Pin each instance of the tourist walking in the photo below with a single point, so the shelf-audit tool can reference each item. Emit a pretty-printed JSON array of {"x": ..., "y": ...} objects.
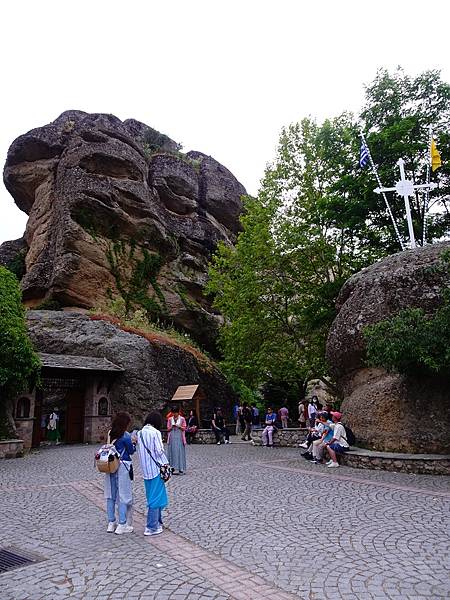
[
  {"x": 176, "y": 441},
  {"x": 284, "y": 416},
  {"x": 236, "y": 415},
  {"x": 312, "y": 412},
  {"x": 118, "y": 485},
  {"x": 151, "y": 456},
  {"x": 270, "y": 429},
  {"x": 301, "y": 414},
  {"x": 247, "y": 416},
  {"x": 241, "y": 420},
  {"x": 53, "y": 434},
  {"x": 255, "y": 417},
  {"x": 192, "y": 427}
]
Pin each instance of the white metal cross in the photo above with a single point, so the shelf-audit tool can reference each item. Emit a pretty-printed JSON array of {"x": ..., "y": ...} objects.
[{"x": 405, "y": 187}]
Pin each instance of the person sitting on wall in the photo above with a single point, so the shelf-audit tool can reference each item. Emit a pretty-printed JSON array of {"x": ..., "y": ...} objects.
[
  {"x": 270, "y": 429},
  {"x": 314, "y": 433},
  {"x": 218, "y": 426},
  {"x": 327, "y": 434},
  {"x": 192, "y": 427},
  {"x": 338, "y": 443}
]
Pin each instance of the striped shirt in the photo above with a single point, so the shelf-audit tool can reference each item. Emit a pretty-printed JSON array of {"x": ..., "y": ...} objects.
[{"x": 153, "y": 440}]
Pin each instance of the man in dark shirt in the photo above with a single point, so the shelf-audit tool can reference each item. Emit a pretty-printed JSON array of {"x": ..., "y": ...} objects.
[
  {"x": 219, "y": 428},
  {"x": 248, "y": 416}
]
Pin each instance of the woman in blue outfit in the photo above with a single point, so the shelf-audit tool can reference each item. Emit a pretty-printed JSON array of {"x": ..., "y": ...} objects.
[
  {"x": 151, "y": 454},
  {"x": 118, "y": 486}
]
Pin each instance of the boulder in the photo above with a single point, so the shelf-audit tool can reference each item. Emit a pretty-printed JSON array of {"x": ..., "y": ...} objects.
[
  {"x": 115, "y": 209},
  {"x": 153, "y": 368},
  {"x": 389, "y": 411}
]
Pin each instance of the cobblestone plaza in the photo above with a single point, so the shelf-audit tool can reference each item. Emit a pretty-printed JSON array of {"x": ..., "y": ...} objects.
[{"x": 245, "y": 522}]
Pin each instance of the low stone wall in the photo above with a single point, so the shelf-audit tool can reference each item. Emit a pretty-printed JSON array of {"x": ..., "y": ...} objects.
[
  {"x": 11, "y": 448},
  {"x": 431, "y": 464},
  {"x": 290, "y": 437},
  {"x": 203, "y": 436}
]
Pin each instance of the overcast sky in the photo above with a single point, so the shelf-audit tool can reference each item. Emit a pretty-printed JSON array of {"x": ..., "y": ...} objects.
[{"x": 219, "y": 76}]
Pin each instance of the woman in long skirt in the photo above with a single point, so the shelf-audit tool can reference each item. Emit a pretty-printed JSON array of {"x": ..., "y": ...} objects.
[
  {"x": 151, "y": 455},
  {"x": 176, "y": 441}
]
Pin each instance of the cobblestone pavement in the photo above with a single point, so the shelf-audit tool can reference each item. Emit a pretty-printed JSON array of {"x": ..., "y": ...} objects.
[{"x": 245, "y": 522}]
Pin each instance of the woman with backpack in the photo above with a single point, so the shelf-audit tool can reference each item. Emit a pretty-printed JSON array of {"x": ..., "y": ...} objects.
[{"x": 118, "y": 486}]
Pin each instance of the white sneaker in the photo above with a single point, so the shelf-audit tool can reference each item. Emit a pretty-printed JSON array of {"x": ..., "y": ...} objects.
[
  {"x": 150, "y": 532},
  {"x": 111, "y": 527},
  {"x": 333, "y": 465},
  {"x": 218, "y": 443},
  {"x": 304, "y": 445},
  {"x": 123, "y": 529},
  {"x": 329, "y": 462}
]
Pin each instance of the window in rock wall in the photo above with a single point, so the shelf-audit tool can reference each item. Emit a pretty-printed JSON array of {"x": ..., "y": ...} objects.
[
  {"x": 103, "y": 407},
  {"x": 23, "y": 408}
]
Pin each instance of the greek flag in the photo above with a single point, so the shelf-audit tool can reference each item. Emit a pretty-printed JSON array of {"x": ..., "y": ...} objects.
[{"x": 363, "y": 155}]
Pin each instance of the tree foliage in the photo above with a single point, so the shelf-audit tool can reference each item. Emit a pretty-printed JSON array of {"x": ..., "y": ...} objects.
[
  {"x": 19, "y": 363},
  {"x": 397, "y": 114},
  {"x": 278, "y": 286},
  {"x": 316, "y": 221}
]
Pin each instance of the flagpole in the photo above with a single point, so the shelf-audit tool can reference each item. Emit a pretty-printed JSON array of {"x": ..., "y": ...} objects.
[
  {"x": 426, "y": 199},
  {"x": 380, "y": 185}
]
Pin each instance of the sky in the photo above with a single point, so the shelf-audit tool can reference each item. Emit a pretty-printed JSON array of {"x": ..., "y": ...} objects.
[{"x": 222, "y": 77}]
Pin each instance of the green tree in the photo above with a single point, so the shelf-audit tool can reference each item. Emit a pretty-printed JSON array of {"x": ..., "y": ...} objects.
[
  {"x": 315, "y": 222},
  {"x": 277, "y": 288},
  {"x": 396, "y": 117},
  {"x": 19, "y": 363}
]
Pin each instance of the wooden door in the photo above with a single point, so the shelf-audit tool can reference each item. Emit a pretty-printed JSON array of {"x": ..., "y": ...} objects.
[
  {"x": 36, "y": 438},
  {"x": 74, "y": 416}
]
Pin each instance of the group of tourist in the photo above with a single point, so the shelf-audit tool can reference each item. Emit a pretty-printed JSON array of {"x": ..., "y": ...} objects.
[
  {"x": 149, "y": 445},
  {"x": 326, "y": 436}
]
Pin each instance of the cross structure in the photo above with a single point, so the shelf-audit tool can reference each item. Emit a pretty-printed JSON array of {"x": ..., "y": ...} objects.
[{"x": 405, "y": 187}]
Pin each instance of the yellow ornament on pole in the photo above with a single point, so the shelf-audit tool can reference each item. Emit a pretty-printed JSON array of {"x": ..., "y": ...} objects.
[{"x": 435, "y": 157}]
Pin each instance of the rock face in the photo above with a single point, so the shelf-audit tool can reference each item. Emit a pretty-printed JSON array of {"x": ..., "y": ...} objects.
[
  {"x": 153, "y": 371},
  {"x": 388, "y": 411},
  {"x": 115, "y": 210}
]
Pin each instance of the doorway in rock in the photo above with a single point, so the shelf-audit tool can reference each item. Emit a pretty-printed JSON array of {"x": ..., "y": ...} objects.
[
  {"x": 39, "y": 425},
  {"x": 65, "y": 395}
]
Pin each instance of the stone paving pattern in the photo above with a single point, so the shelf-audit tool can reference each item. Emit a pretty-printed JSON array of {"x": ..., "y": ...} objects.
[{"x": 245, "y": 522}]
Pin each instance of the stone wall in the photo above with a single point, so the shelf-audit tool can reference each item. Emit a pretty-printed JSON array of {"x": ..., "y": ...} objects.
[
  {"x": 404, "y": 463},
  {"x": 290, "y": 437},
  {"x": 11, "y": 448},
  {"x": 203, "y": 436}
]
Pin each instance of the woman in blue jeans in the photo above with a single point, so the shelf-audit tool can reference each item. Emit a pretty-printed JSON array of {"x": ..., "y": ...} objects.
[
  {"x": 118, "y": 486},
  {"x": 151, "y": 455}
]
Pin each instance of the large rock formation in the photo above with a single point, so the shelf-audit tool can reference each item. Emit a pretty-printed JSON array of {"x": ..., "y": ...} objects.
[
  {"x": 153, "y": 370},
  {"x": 116, "y": 210},
  {"x": 388, "y": 411}
]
